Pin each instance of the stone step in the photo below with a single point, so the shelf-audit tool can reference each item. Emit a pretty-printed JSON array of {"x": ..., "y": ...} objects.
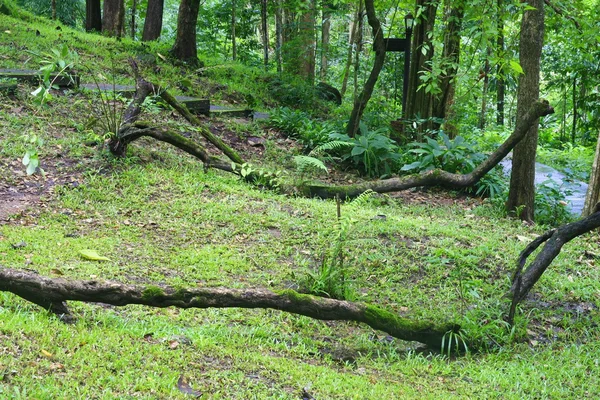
[{"x": 63, "y": 80}]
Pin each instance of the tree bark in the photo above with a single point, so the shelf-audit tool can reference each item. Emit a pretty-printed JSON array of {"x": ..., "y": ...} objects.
[
  {"x": 325, "y": 30},
  {"x": 93, "y": 16},
  {"x": 233, "y": 38},
  {"x": 484, "y": 91},
  {"x": 52, "y": 294},
  {"x": 184, "y": 48},
  {"x": 279, "y": 35},
  {"x": 153, "y": 22},
  {"x": 592, "y": 196},
  {"x": 307, "y": 43},
  {"x": 501, "y": 84},
  {"x": 113, "y": 21},
  {"x": 351, "y": 46},
  {"x": 361, "y": 102},
  {"x": 443, "y": 104},
  {"x": 521, "y": 193},
  {"x": 132, "y": 22},
  {"x": 418, "y": 102},
  {"x": 555, "y": 239},
  {"x": 264, "y": 31}
]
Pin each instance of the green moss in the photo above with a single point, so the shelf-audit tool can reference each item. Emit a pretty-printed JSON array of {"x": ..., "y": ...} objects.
[
  {"x": 378, "y": 317},
  {"x": 152, "y": 292}
]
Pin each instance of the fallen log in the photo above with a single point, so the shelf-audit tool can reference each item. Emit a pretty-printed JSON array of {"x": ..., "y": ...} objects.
[
  {"x": 53, "y": 293},
  {"x": 555, "y": 239}
]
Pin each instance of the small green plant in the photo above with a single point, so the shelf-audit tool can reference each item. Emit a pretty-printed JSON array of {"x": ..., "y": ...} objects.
[
  {"x": 30, "y": 159},
  {"x": 258, "y": 176},
  {"x": 372, "y": 152},
  {"x": 57, "y": 62},
  {"x": 454, "y": 342},
  {"x": 300, "y": 125},
  {"x": 330, "y": 279}
]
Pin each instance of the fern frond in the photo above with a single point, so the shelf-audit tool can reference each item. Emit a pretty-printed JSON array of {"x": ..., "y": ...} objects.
[
  {"x": 306, "y": 162},
  {"x": 362, "y": 198},
  {"x": 325, "y": 147}
]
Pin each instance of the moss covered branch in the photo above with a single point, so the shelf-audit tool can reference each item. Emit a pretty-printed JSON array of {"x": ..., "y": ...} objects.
[{"x": 53, "y": 293}]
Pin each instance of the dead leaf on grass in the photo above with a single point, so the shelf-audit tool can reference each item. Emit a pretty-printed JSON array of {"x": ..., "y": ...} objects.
[{"x": 185, "y": 388}]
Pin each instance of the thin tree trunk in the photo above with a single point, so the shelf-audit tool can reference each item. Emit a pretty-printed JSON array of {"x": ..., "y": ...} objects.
[
  {"x": 521, "y": 193},
  {"x": 418, "y": 102},
  {"x": 501, "y": 84},
  {"x": 278, "y": 34},
  {"x": 484, "y": 91},
  {"x": 358, "y": 48},
  {"x": 325, "y": 30},
  {"x": 233, "y": 41},
  {"x": 265, "y": 32},
  {"x": 93, "y": 16},
  {"x": 361, "y": 102},
  {"x": 132, "y": 23},
  {"x": 574, "y": 127},
  {"x": 351, "y": 46},
  {"x": 592, "y": 196},
  {"x": 53, "y": 7},
  {"x": 153, "y": 22},
  {"x": 307, "y": 43}
]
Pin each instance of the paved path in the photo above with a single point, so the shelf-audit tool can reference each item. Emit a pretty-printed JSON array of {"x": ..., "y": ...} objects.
[{"x": 544, "y": 172}]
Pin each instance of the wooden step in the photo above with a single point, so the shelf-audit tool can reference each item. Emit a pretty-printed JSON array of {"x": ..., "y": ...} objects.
[{"x": 29, "y": 75}]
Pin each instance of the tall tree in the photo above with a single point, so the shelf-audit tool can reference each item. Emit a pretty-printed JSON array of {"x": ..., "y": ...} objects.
[
  {"x": 93, "y": 16},
  {"x": 592, "y": 196},
  {"x": 264, "y": 31},
  {"x": 279, "y": 34},
  {"x": 521, "y": 193},
  {"x": 153, "y": 22},
  {"x": 113, "y": 21},
  {"x": 500, "y": 83},
  {"x": 360, "y": 103},
  {"x": 353, "y": 33},
  {"x": 184, "y": 47},
  {"x": 325, "y": 37},
  {"x": 419, "y": 101},
  {"x": 443, "y": 106}
]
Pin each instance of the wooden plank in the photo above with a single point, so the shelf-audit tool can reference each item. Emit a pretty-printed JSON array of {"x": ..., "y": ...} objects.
[{"x": 33, "y": 76}]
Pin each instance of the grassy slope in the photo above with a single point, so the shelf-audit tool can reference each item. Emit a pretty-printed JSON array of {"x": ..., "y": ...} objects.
[{"x": 160, "y": 218}]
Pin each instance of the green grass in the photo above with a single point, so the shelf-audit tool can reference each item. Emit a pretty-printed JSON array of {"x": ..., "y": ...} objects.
[{"x": 161, "y": 219}]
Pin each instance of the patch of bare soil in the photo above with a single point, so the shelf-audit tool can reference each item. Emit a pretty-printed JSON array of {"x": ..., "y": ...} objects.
[{"x": 20, "y": 192}]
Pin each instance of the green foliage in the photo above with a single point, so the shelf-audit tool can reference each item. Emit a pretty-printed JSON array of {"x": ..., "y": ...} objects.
[
  {"x": 308, "y": 163},
  {"x": 574, "y": 161},
  {"x": 372, "y": 152},
  {"x": 31, "y": 160},
  {"x": 454, "y": 342},
  {"x": 260, "y": 177},
  {"x": 299, "y": 125},
  {"x": 57, "y": 62},
  {"x": 455, "y": 156},
  {"x": 551, "y": 205},
  {"x": 69, "y": 12}
]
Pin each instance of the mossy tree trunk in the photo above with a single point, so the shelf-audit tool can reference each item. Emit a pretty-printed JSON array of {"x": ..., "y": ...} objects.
[{"x": 53, "y": 293}]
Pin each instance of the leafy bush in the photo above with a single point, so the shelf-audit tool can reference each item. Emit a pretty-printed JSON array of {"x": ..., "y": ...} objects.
[
  {"x": 372, "y": 152},
  {"x": 299, "y": 125},
  {"x": 456, "y": 156}
]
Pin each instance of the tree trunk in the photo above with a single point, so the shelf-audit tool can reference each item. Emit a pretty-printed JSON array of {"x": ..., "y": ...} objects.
[
  {"x": 325, "y": 30},
  {"x": 592, "y": 196},
  {"x": 419, "y": 102},
  {"x": 113, "y": 21},
  {"x": 555, "y": 239},
  {"x": 351, "y": 46},
  {"x": 443, "y": 105},
  {"x": 484, "y": 91},
  {"x": 265, "y": 32},
  {"x": 153, "y": 22},
  {"x": 52, "y": 294},
  {"x": 93, "y": 16},
  {"x": 574, "y": 127},
  {"x": 184, "y": 48},
  {"x": 279, "y": 34},
  {"x": 307, "y": 44},
  {"x": 233, "y": 41},
  {"x": 361, "y": 102},
  {"x": 53, "y": 7},
  {"x": 358, "y": 48},
  {"x": 132, "y": 23},
  {"x": 521, "y": 193},
  {"x": 501, "y": 84}
]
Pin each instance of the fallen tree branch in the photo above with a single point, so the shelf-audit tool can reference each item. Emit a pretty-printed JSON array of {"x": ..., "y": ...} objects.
[
  {"x": 555, "y": 239},
  {"x": 437, "y": 177},
  {"x": 52, "y": 294}
]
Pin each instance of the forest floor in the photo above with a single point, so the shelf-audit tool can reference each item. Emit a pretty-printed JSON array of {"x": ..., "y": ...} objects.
[{"x": 161, "y": 219}]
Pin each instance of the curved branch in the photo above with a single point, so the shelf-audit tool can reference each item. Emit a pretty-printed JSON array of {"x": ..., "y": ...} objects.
[
  {"x": 437, "y": 177},
  {"x": 52, "y": 294}
]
